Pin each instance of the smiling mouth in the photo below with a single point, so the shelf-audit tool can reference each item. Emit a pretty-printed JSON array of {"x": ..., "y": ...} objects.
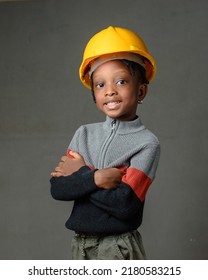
[{"x": 112, "y": 104}]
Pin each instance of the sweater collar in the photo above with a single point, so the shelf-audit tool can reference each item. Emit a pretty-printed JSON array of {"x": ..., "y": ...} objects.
[{"x": 124, "y": 127}]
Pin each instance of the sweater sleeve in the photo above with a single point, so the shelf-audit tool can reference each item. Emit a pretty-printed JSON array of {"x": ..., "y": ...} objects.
[
  {"x": 120, "y": 202},
  {"x": 74, "y": 186},
  {"x": 125, "y": 200}
]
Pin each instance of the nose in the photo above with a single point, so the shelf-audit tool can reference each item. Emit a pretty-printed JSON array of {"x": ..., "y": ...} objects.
[{"x": 110, "y": 91}]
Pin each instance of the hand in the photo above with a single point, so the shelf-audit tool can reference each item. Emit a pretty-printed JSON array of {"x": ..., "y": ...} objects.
[
  {"x": 108, "y": 178},
  {"x": 68, "y": 165}
]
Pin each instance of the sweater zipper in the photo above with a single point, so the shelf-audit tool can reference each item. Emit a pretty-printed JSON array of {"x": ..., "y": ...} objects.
[
  {"x": 106, "y": 145},
  {"x": 113, "y": 124}
]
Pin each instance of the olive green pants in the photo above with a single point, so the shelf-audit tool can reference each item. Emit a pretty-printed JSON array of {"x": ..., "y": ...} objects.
[{"x": 126, "y": 246}]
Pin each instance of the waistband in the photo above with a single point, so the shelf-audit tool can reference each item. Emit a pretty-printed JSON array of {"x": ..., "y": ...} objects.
[
  {"x": 92, "y": 234},
  {"x": 99, "y": 235}
]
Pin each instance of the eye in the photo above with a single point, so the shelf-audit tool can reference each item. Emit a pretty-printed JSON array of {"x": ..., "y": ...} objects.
[
  {"x": 121, "y": 82},
  {"x": 99, "y": 85}
]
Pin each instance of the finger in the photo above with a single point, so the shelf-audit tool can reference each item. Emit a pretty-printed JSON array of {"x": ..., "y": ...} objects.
[
  {"x": 58, "y": 169},
  {"x": 56, "y": 174},
  {"x": 53, "y": 174},
  {"x": 69, "y": 154},
  {"x": 75, "y": 154},
  {"x": 64, "y": 158},
  {"x": 60, "y": 164}
]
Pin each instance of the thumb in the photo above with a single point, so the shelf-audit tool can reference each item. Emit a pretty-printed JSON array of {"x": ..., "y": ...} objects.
[{"x": 75, "y": 155}]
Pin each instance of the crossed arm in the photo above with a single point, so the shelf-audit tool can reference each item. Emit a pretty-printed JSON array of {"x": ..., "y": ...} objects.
[
  {"x": 106, "y": 178},
  {"x": 117, "y": 198}
]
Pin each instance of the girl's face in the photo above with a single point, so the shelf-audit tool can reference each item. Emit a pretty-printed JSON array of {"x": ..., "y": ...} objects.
[{"x": 117, "y": 91}]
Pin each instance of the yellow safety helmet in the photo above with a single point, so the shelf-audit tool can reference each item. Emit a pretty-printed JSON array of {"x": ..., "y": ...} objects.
[{"x": 114, "y": 41}]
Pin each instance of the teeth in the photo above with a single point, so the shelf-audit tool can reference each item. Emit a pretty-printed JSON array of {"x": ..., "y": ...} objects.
[{"x": 112, "y": 102}]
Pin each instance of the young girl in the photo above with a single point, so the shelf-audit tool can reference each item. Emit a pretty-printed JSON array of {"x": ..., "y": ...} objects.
[{"x": 110, "y": 165}]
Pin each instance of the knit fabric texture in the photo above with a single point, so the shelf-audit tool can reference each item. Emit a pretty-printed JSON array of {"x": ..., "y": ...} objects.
[{"x": 113, "y": 143}]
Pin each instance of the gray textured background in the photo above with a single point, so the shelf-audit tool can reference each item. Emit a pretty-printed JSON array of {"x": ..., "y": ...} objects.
[{"x": 42, "y": 103}]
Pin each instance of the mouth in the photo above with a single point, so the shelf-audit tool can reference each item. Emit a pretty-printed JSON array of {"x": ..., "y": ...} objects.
[{"x": 112, "y": 104}]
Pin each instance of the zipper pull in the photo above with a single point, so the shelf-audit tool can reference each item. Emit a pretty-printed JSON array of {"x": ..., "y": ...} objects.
[{"x": 113, "y": 124}]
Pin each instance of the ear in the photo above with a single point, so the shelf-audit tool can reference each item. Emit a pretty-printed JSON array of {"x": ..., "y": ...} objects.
[{"x": 142, "y": 91}]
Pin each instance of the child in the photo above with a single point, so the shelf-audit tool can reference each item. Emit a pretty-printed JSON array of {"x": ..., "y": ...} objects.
[{"x": 110, "y": 165}]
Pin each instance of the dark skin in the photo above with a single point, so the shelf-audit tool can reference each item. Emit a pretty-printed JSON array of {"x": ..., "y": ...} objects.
[
  {"x": 106, "y": 178},
  {"x": 117, "y": 93}
]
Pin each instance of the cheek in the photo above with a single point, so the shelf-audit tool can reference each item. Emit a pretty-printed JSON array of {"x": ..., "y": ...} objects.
[
  {"x": 98, "y": 100},
  {"x": 132, "y": 96}
]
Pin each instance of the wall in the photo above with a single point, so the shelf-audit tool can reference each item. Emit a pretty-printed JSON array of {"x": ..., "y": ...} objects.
[{"x": 42, "y": 103}]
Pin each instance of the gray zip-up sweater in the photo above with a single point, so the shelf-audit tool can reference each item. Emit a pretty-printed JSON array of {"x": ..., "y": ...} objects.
[{"x": 113, "y": 143}]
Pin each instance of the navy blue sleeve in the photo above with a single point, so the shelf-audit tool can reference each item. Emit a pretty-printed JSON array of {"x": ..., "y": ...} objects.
[
  {"x": 120, "y": 202},
  {"x": 77, "y": 185}
]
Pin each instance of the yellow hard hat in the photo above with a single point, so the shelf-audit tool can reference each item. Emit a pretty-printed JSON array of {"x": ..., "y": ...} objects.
[{"x": 111, "y": 41}]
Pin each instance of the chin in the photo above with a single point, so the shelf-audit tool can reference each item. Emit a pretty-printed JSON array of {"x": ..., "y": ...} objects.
[{"x": 114, "y": 116}]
